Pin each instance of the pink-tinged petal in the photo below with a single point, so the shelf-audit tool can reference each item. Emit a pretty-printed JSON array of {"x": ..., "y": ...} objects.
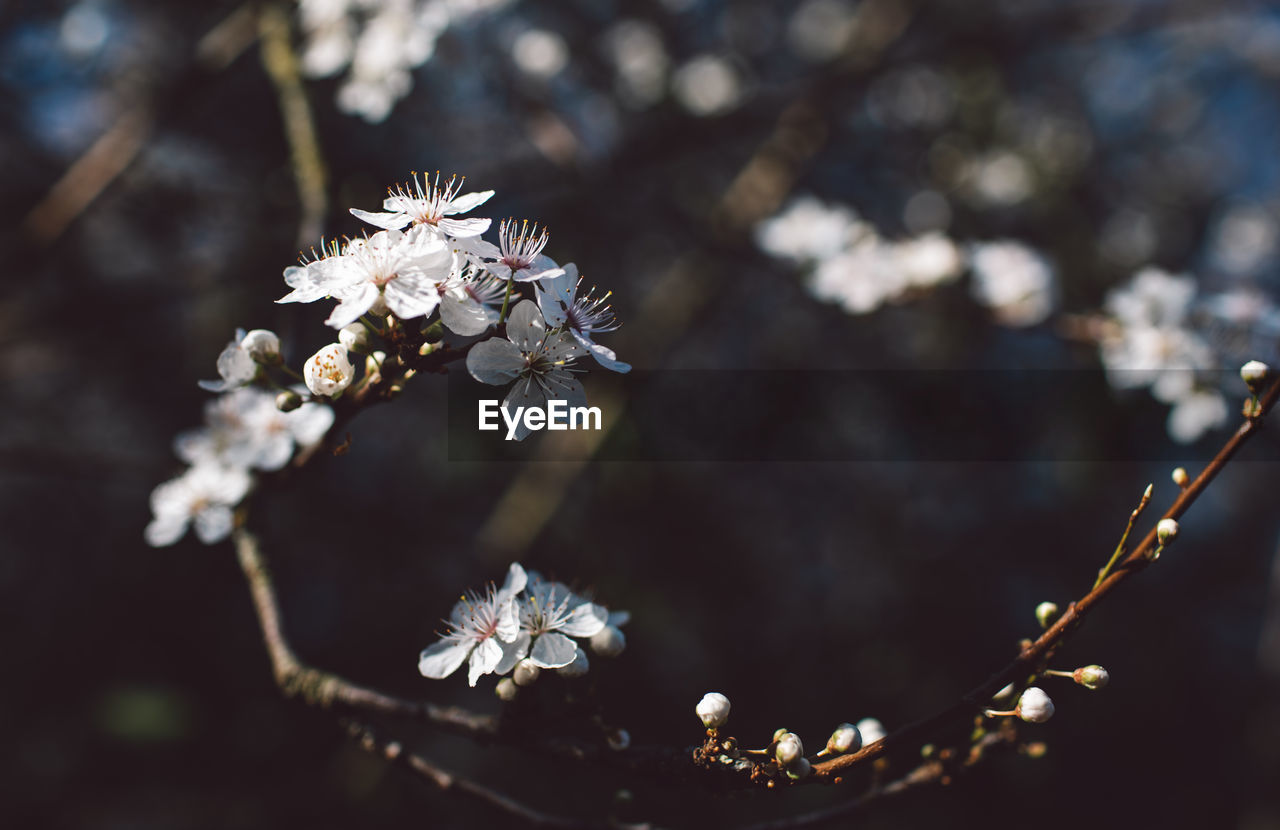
[
  {"x": 464, "y": 228},
  {"x": 525, "y": 327},
  {"x": 495, "y": 361},
  {"x": 468, "y": 201},
  {"x": 483, "y": 660},
  {"x": 512, "y": 653},
  {"x": 386, "y": 221},
  {"x": 585, "y": 620},
  {"x": 553, "y": 650},
  {"x": 443, "y": 658}
]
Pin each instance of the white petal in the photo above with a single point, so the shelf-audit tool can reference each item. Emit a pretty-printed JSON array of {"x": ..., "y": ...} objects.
[
  {"x": 213, "y": 524},
  {"x": 388, "y": 221},
  {"x": 465, "y": 316},
  {"x": 525, "y": 326},
  {"x": 517, "y": 579},
  {"x": 468, "y": 201},
  {"x": 165, "y": 530},
  {"x": 524, "y": 392},
  {"x": 555, "y": 295},
  {"x": 619, "y": 618},
  {"x": 552, "y": 650},
  {"x": 483, "y": 660},
  {"x": 443, "y": 658},
  {"x": 464, "y": 228},
  {"x": 512, "y": 653},
  {"x": 353, "y": 306},
  {"x": 604, "y": 356},
  {"x": 495, "y": 361},
  {"x": 585, "y": 620},
  {"x": 410, "y": 298}
]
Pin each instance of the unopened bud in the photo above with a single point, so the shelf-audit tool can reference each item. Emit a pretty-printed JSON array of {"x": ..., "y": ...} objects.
[
  {"x": 329, "y": 371},
  {"x": 1166, "y": 531},
  {"x": 1091, "y": 677},
  {"x": 608, "y": 641},
  {"x": 262, "y": 345},
  {"x": 1180, "y": 476},
  {"x": 526, "y": 672},
  {"x": 373, "y": 363},
  {"x": 713, "y": 710},
  {"x": 789, "y": 749},
  {"x": 1254, "y": 374},
  {"x": 506, "y": 690},
  {"x": 578, "y": 667},
  {"x": 355, "y": 337},
  {"x": 1034, "y": 706},
  {"x": 846, "y": 738},
  {"x": 871, "y": 730},
  {"x": 619, "y": 739},
  {"x": 1046, "y": 613},
  {"x": 799, "y": 769},
  {"x": 288, "y": 400}
]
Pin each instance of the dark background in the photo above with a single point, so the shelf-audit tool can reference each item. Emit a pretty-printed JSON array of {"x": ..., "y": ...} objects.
[{"x": 137, "y": 693}]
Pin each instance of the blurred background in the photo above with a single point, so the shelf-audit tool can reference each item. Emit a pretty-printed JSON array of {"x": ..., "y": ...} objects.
[{"x": 151, "y": 153}]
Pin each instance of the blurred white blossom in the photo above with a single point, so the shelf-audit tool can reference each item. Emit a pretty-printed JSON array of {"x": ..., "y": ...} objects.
[
  {"x": 204, "y": 496},
  {"x": 1012, "y": 280}
]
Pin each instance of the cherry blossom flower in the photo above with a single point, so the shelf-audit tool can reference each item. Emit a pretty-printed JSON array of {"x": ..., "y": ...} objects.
[
  {"x": 1014, "y": 281},
  {"x": 430, "y": 203},
  {"x": 518, "y": 254},
  {"x": 538, "y": 363},
  {"x": 403, "y": 270},
  {"x": 236, "y": 366},
  {"x": 550, "y": 614},
  {"x": 203, "y": 496},
  {"x": 245, "y": 429},
  {"x": 580, "y": 316},
  {"x": 481, "y": 629},
  {"x": 468, "y": 304},
  {"x": 329, "y": 372}
]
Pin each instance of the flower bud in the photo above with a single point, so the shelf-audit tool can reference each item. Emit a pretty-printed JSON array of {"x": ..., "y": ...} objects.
[
  {"x": 578, "y": 667},
  {"x": 1046, "y": 613},
  {"x": 871, "y": 730},
  {"x": 1254, "y": 373},
  {"x": 328, "y": 372},
  {"x": 799, "y": 769},
  {"x": 618, "y": 739},
  {"x": 1034, "y": 706},
  {"x": 1091, "y": 677},
  {"x": 789, "y": 749},
  {"x": 846, "y": 738},
  {"x": 713, "y": 709},
  {"x": 526, "y": 672},
  {"x": 1180, "y": 476},
  {"x": 1166, "y": 531},
  {"x": 778, "y": 733},
  {"x": 506, "y": 690},
  {"x": 288, "y": 400},
  {"x": 262, "y": 345},
  {"x": 373, "y": 362},
  {"x": 355, "y": 337},
  {"x": 608, "y": 641}
]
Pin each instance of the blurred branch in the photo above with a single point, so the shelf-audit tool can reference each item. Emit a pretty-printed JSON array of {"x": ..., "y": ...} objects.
[
  {"x": 281, "y": 64},
  {"x": 116, "y": 149}
]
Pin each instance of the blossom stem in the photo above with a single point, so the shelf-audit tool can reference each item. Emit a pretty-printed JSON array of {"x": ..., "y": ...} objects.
[
  {"x": 1124, "y": 538},
  {"x": 372, "y": 326},
  {"x": 506, "y": 301},
  {"x": 292, "y": 373}
]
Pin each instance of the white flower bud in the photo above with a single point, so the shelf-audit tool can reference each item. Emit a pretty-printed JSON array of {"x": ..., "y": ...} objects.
[
  {"x": 608, "y": 641},
  {"x": 1091, "y": 677},
  {"x": 799, "y": 769},
  {"x": 871, "y": 730},
  {"x": 713, "y": 709},
  {"x": 506, "y": 690},
  {"x": 1166, "y": 531},
  {"x": 1254, "y": 373},
  {"x": 262, "y": 345},
  {"x": 328, "y": 372},
  {"x": 846, "y": 738},
  {"x": 373, "y": 362},
  {"x": 1034, "y": 706},
  {"x": 526, "y": 672},
  {"x": 1180, "y": 476},
  {"x": 355, "y": 337},
  {"x": 789, "y": 749},
  {"x": 1046, "y": 613},
  {"x": 578, "y": 667}
]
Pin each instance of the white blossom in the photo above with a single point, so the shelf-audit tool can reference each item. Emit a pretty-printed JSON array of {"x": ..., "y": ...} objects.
[
  {"x": 871, "y": 730},
  {"x": 538, "y": 363},
  {"x": 468, "y": 304},
  {"x": 430, "y": 203},
  {"x": 579, "y": 315},
  {"x": 1034, "y": 706},
  {"x": 1012, "y": 280},
  {"x": 203, "y": 496},
  {"x": 550, "y": 614},
  {"x": 713, "y": 710},
  {"x": 482, "y": 628},
  {"x": 329, "y": 371},
  {"x": 236, "y": 367},
  {"x": 518, "y": 254},
  {"x": 245, "y": 428}
]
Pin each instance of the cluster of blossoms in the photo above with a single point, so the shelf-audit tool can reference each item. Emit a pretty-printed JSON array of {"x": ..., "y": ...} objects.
[
  {"x": 425, "y": 264},
  {"x": 854, "y": 266},
  {"x": 527, "y": 625},
  {"x": 245, "y": 429}
]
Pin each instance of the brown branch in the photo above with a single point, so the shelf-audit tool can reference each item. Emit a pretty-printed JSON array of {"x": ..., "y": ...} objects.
[
  {"x": 451, "y": 782},
  {"x": 324, "y": 689},
  {"x": 1033, "y": 658}
]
